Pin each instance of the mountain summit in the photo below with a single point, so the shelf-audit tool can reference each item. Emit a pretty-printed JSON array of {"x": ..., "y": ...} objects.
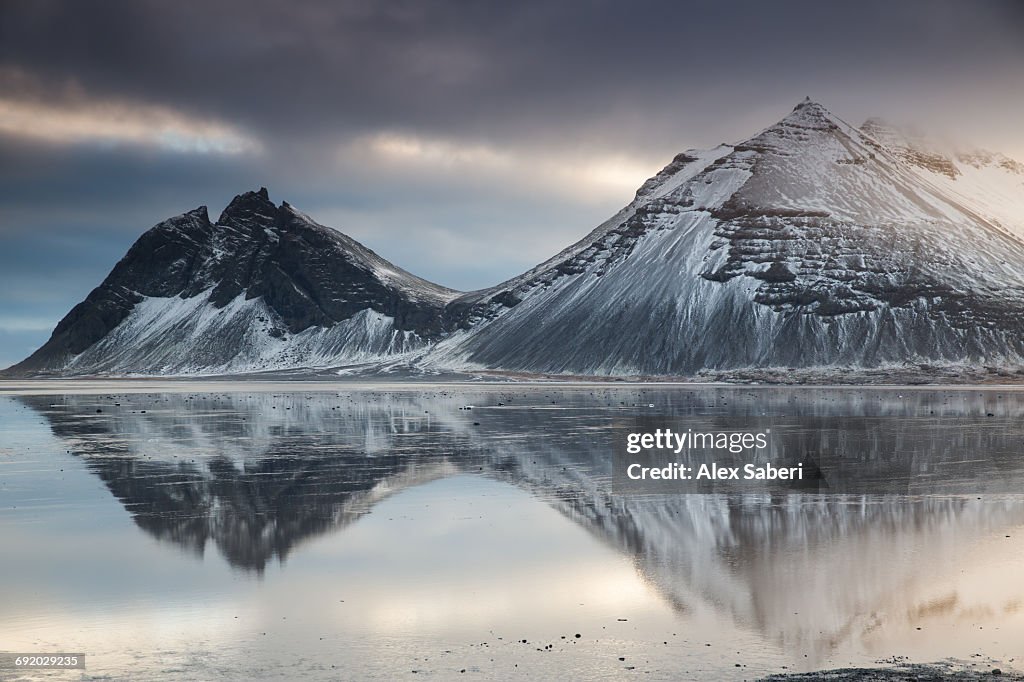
[
  {"x": 263, "y": 287},
  {"x": 810, "y": 244},
  {"x": 813, "y": 243}
]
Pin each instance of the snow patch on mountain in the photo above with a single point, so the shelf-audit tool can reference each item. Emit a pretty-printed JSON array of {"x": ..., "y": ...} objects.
[{"x": 169, "y": 336}]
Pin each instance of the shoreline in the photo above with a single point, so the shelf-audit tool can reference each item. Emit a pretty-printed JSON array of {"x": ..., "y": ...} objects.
[{"x": 264, "y": 383}]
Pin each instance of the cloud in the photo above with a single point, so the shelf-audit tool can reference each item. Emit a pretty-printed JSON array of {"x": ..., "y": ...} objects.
[
  {"x": 580, "y": 176},
  {"x": 68, "y": 115}
]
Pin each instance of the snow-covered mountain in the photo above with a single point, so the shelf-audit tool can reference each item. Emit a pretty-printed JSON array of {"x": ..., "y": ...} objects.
[
  {"x": 263, "y": 287},
  {"x": 812, "y": 244}
]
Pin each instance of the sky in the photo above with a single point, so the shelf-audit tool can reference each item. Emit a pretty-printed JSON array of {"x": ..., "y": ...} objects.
[{"x": 464, "y": 141}]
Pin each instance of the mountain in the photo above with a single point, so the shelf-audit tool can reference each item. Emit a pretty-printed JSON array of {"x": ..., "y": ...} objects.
[
  {"x": 263, "y": 287},
  {"x": 258, "y": 490},
  {"x": 809, "y": 244},
  {"x": 813, "y": 244}
]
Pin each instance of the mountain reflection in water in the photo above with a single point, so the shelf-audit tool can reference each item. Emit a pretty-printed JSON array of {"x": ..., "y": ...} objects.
[{"x": 257, "y": 474}]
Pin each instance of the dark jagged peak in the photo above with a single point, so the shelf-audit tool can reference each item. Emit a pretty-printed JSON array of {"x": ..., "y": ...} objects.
[
  {"x": 201, "y": 213},
  {"x": 309, "y": 274},
  {"x": 191, "y": 295},
  {"x": 249, "y": 205}
]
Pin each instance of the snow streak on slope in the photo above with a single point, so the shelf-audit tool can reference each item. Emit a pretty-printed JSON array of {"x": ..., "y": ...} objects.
[
  {"x": 192, "y": 336},
  {"x": 806, "y": 245}
]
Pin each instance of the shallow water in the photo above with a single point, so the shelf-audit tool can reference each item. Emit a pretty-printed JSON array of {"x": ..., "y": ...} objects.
[{"x": 333, "y": 531}]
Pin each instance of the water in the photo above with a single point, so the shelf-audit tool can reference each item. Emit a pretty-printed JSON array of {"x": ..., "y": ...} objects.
[{"x": 316, "y": 531}]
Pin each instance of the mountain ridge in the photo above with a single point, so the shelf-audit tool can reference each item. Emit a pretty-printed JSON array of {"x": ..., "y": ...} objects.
[{"x": 813, "y": 243}]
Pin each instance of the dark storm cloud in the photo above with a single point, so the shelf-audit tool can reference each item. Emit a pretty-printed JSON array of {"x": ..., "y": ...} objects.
[
  {"x": 499, "y": 69},
  {"x": 464, "y": 140}
]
